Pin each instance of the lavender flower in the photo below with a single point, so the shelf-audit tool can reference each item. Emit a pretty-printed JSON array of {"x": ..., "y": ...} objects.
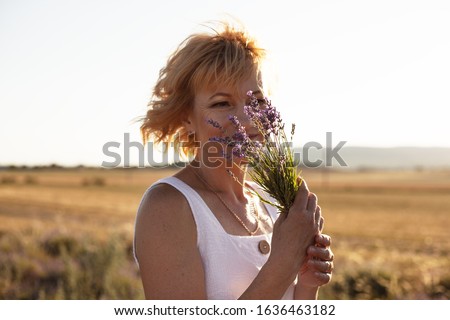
[
  {"x": 215, "y": 124},
  {"x": 272, "y": 161},
  {"x": 266, "y": 119}
]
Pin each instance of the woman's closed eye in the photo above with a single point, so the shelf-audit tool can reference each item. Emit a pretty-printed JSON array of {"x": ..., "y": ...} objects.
[{"x": 220, "y": 104}]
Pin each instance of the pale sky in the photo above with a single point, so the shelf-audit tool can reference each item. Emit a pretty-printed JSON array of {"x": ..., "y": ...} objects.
[{"x": 74, "y": 74}]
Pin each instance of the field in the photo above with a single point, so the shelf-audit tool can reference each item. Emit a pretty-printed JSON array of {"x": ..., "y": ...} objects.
[{"x": 67, "y": 234}]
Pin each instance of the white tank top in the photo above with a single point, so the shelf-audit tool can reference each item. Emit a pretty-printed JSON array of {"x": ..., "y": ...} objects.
[{"x": 230, "y": 262}]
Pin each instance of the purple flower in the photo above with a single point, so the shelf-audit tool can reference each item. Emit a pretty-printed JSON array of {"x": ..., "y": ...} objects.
[
  {"x": 267, "y": 119},
  {"x": 240, "y": 135},
  {"x": 218, "y": 139},
  {"x": 271, "y": 120},
  {"x": 272, "y": 160},
  {"x": 239, "y": 142},
  {"x": 215, "y": 124},
  {"x": 264, "y": 117},
  {"x": 253, "y": 110},
  {"x": 239, "y": 151}
]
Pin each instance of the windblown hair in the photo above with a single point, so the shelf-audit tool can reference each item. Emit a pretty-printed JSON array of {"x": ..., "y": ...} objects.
[{"x": 224, "y": 57}]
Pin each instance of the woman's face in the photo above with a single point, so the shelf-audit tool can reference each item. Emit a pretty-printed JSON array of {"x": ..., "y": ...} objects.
[{"x": 218, "y": 104}]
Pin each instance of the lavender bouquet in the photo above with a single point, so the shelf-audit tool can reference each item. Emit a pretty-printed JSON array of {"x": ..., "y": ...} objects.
[{"x": 271, "y": 161}]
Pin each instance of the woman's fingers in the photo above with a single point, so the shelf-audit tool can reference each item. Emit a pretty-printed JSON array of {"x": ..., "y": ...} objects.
[
  {"x": 312, "y": 203},
  {"x": 301, "y": 198},
  {"x": 305, "y": 202},
  {"x": 320, "y": 253},
  {"x": 323, "y": 240},
  {"x": 321, "y": 266},
  {"x": 318, "y": 216},
  {"x": 324, "y": 278}
]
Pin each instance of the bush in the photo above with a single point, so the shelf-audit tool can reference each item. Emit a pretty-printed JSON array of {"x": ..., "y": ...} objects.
[
  {"x": 8, "y": 180},
  {"x": 30, "y": 180},
  {"x": 59, "y": 244},
  {"x": 94, "y": 181},
  {"x": 61, "y": 266},
  {"x": 371, "y": 284}
]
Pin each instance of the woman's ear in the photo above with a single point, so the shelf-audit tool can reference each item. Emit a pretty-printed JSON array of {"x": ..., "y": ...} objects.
[{"x": 188, "y": 125}]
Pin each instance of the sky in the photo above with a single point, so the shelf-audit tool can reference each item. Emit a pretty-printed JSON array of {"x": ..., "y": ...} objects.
[{"x": 74, "y": 75}]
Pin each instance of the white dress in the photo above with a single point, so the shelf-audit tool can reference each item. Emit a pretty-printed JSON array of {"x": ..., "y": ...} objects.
[{"x": 230, "y": 262}]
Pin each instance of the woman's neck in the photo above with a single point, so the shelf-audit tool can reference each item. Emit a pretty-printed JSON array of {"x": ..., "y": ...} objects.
[{"x": 228, "y": 180}]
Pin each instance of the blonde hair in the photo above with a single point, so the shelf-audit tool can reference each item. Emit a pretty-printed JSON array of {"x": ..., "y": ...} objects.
[{"x": 207, "y": 59}]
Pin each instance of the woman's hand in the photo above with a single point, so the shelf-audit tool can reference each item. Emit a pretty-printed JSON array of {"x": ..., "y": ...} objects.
[
  {"x": 318, "y": 268},
  {"x": 295, "y": 241},
  {"x": 293, "y": 233}
]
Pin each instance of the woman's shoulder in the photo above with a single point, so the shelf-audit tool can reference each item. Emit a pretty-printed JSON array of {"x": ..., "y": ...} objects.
[
  {"x": 164, "y": 213},
  {"x": 164, "y": 208},
  {"x": 162, "y": 198}
]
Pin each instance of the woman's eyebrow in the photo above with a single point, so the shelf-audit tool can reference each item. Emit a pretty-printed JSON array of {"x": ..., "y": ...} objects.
[
  {"x": 219, "y": 94},
  {"x": 224, "y": 94}
]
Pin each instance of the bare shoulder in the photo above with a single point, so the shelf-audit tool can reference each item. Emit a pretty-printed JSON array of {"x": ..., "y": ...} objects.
[
  {"x": 166, "y": 246},
  {"x": 165, "y": 210},
  {"x": 162, "y": 198}
]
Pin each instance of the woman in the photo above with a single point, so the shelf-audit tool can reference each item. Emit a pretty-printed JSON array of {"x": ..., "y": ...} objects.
[{"x": 202, "y": 234}]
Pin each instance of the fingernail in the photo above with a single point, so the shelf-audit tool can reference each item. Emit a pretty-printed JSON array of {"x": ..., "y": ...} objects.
[{"x": 303, "y": 184}]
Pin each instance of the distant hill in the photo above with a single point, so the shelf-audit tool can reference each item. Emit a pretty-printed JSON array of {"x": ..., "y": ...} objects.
[
  {"x": 355, "y": 157},
  {"x": 388, "y": 158}
]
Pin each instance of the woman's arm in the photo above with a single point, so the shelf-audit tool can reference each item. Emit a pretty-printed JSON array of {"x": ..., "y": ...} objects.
[{"x": 166, "y": 247}]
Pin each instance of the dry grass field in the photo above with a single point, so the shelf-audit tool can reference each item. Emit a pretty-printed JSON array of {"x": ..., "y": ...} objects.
[{"x": 66, "y": 234}]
